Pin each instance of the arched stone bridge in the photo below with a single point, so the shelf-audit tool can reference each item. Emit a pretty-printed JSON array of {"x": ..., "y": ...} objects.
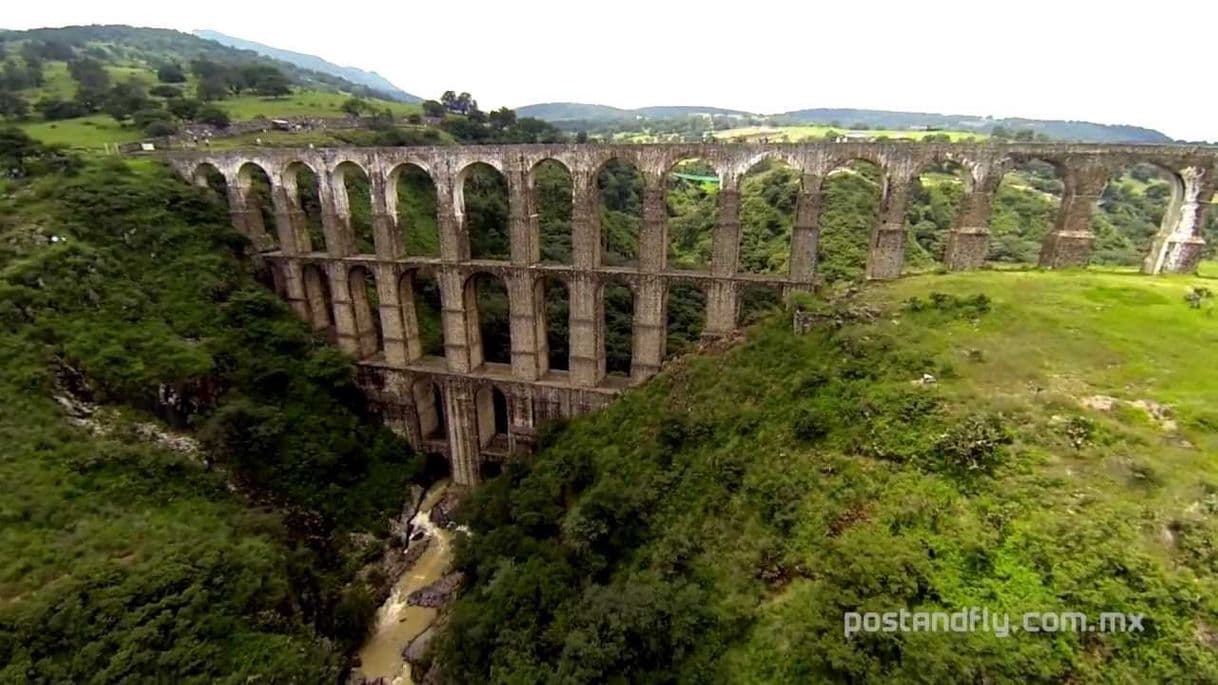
[{"x": 447, "y": 404}]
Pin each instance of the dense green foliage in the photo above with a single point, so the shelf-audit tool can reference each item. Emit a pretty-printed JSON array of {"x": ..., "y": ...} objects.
[
  {"x": 771, "y": 489},
  {"x": 123, "y": 559}
]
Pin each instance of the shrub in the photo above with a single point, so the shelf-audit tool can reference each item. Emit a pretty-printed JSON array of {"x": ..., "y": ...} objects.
[{"x": 975, "y": 444}]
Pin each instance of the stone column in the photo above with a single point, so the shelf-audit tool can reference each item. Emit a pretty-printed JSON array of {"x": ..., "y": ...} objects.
[
  {"x": 385, "y": 233},
  {"x": 1177, "y": 247},
  {"x": 294, "y": 286},
  {"x": 1069, "y": 243},
  {"x": 245, "y": 216},
  {"x": 346, "y": 332},
  {"x": 653, "y": 240},
  {"x": 527, "y": 325},
  {"x": 585, "y": 221},
  {"x": 650, "y": 328},
  {"x": 290, "y": 221},
  {"x": 722, "y": 307},
  {"x": 389, "y": 309},
  {"x": 887, "y": 253},
  {"x": 465, "y": 450},
  {"x": 411, "y": 340},
  {"x": 969, "y": 239},
  {"x": 805, "y": 234},
  {"x": 335, "y": 220},
  {"x": 586, "y": 330},
  {"x": 522, "y": 431},
  {"x": 524, "y": 231},
  {"x": 725, "y": 249},
  {"x": 454, "y": 244},
  {"x": 458, "y": 348}
]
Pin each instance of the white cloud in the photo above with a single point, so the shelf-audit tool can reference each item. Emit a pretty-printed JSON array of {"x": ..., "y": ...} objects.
[{"x": 1062, "y": 60}]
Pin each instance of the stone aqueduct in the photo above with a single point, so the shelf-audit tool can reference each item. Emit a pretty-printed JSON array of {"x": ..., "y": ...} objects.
[{"x": 445, "y": 404}]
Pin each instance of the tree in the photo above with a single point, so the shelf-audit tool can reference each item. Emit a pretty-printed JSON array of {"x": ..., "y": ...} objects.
[
  {"x": 53, "y": 109},
  {"x": 431, "y": 108},
  {"x": 502, "y": 118},
  {"x": 213, "y": 115},
  {"x": 184, "y": 108},
  {"x": 125, "y": 99},
  {"x": 13, "y": 106},
  {"x": 355, "y": 106},
  {"x": 449, "y": 100},
  {"x": 92, "y": 82},
  {"x": 170, "y": 72},
  {"x": 212, "y": 87},
  {"x": 266, "y": 80},
  {"x": 165, "y": 91}
]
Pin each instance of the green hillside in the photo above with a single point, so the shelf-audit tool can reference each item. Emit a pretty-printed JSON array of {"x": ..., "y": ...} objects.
[
  {"x": 133, "y": 98},
  {"x": 936, "y": 443}
]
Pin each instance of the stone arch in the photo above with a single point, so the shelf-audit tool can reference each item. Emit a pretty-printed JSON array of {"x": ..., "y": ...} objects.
[
  {"x": 686, "y": 310},
  {"x": 554, "y": 294},
  {"x": 618, "y": 185},
  {"x": 208, "y": 175},
  {"x": 352, "y": 189},
  {"x": 1024, "y": 209},
  {"x": 619, "y": 303},
  {"x": 691, "y": 200},
  {"x": 494, "y": 421},
  {"x": 412, "y": 200},
  {"x": 365, "y": 311},
  {"x": 429, "y": 406},
  {"x": 551, "y": 191},
  {"x": 422, "y": 313},
  {"x": 303, "y": 188},
  {"x": 317, "y": 296},
  {"x": 769, "y": 193},
  {"x": 937, "y": 191},
  {"x": 1142, "y": 200},
  {"x": 254, "y": 184},
  {"x": 844, "y": 242},
  {"x": 487, "y": 319},
  {"x": 482, "y": 203}
]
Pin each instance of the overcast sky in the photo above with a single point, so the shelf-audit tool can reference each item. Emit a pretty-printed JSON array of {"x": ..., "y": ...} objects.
[{"x": 1111, "y": 62}]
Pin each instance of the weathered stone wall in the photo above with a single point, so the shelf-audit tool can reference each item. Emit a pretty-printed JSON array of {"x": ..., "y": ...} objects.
[{"x": 326, "y": 287}]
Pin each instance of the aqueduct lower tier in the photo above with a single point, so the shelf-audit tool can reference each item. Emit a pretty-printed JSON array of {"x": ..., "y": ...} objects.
[{"x": 472, "y": 410}]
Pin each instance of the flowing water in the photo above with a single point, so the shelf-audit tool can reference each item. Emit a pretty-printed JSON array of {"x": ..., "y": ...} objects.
[{"x": 396, "y": 623}]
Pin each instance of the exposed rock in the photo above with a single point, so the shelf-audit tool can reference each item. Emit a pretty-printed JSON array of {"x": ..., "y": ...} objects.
[
  {"x": 1099, "y": 402},
  {"x": 437, "y": 594},
  {"x": 926, "y": 379},
  {"x": 416, "y": 651}
]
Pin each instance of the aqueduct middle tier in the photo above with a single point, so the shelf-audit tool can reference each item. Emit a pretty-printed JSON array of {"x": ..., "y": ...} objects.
[{"x": 449, "y": 404}]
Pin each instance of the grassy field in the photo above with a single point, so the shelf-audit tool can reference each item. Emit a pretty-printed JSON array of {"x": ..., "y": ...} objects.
[{"x": 814, "y": 132}]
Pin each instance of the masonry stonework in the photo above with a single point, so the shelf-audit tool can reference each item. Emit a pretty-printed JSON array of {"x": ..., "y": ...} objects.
[{"x": 454, "y": 404}]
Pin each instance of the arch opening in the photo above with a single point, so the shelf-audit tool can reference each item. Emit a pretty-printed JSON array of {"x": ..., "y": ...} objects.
[
  {"x": 691, "y": 196},
  {"x": 487, "y": 315},
  {"x": 413, "y": 203},
  {"x": 429, "y": 404},
  {"x": 1139, "y": 202},
  {"x": 756, "y": 302},
  {"x": 620, "y": 212},
  {"x": 208, "y": 176},
  {"x": 1022, "y": 212},
  {"x": 935, "y": 199},
  {"x": 317, "y": 295},
  {"x": 255, "y": 186},
  {"x": 353, "y": 205},
  {"x": 557, "y": 299},
  {"x": 493, "y": 423},
  {"x": 686, "y": 319},
  {"x": 553, "y": 197},
  {"x": 304, "y": 191},
  {"x": 365, "y": 309},
  {"x": 768, "y": 195},
  {"x": 851, "y": 195},
  {"x": 619, "y": 306},
  {"x": 420, "y": 288},
  {"x": 483, "y": 205}
]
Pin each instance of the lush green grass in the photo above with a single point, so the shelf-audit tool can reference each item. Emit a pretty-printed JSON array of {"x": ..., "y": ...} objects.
[
  {"x": 772, "y": 488},
  {"x": 813, "y": 132}
]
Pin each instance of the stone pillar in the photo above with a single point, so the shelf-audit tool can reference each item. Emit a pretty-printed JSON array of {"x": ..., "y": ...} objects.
[
  {"x": 650, "y": 328},
  {"x": 335, "y": 219},
  {"x": 969, "y": 239},
  {"x": 295, "y": 289},
  {"x": 1177, "y": 247},
  {"x": 454, "y": 244},
  {"x": 245, "y": 216},
  {"x": 1069, "y": 243},
  {"x": 290, "y": 221},
  {"x": 585, "y": 221},
  {"x": 465, "y": 450},
  {"x": 653, "y": 240},
  {"x": 412, "y": 343},
  {"x": 458, "y": 348},
  {"x": 887, "y": 253},
  {"x": 725, "y": 249},
  {"x": 385, "y": 233},
  {"x": 805, "y": 234},
  {"x": 346, "y": 332},
  {"x": 524, "y": 229},
  {"x": 389, "y": 309},
  {"x": 586, "y": 330},
  {"x": 722, "y": 307},
  {"x": 522, "y": 429},
  {"x": 527, "y": 325}
]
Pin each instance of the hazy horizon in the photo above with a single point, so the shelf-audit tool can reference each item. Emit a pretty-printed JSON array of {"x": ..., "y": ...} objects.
[{"x": 1040, "y": 60}]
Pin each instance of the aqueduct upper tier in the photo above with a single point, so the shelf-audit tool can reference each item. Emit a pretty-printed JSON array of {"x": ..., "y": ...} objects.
[{"x": 450, "y": 403}]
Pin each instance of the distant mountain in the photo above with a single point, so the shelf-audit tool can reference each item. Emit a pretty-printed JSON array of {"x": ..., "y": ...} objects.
[
  {"x": 570, "y": 112},
  {"x": 1058, "y": 129},
  {"x": 370, "y": 79}
]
